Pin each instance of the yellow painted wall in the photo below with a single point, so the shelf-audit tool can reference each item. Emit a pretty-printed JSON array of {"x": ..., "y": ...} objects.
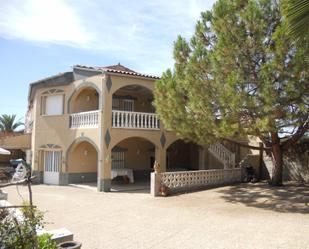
[
  {"x": 86, "y": 100},
  {"x": 82, "y": 158},
  {"x": 19, "y": 141}
]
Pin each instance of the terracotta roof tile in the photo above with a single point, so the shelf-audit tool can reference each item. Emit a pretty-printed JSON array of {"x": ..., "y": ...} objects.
[{"x": 120, "y": 69}]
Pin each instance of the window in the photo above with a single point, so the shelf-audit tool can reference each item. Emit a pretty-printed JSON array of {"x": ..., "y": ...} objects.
[
  {"x": 123, "y": 104},
  {"x": 52, "y": 105},
  {"x": 116, "y": 104},
  {"x": 128, "y": 105},
  {"x": 118, "y": 159}
]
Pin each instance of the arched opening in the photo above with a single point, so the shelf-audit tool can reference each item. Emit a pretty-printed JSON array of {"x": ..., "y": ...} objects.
[
  {"x": 132, "y": 108},
  {"x": 84, "y": 100},
  {"x": 182, "y": 156},
  {"x": 132, "y": 163},
  {"x": 133, "y": 98},
  {"x": 83, "y": 107},
  {"x": 82, "y": 163}
]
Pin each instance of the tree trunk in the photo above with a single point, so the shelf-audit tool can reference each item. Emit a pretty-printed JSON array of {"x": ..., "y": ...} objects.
[{"x": 277, "y": 160}]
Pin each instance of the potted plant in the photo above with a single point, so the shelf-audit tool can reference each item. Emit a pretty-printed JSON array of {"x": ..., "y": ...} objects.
[{"x": 70, "y": 245}]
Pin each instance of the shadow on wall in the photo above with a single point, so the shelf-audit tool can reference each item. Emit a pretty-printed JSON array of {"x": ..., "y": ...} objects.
[{"x": 292, "y": 198}]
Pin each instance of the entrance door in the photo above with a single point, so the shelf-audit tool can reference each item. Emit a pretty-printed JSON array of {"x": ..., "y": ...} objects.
[{"x": 52, "y": 162}]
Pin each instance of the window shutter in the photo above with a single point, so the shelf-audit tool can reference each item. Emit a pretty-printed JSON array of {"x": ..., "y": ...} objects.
[{"x": 54, "y": 105}]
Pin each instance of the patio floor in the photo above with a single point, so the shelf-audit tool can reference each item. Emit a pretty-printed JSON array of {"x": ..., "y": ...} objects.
[
  {"x": 239, "y": 216},
  {"x": 119, "y": 186}
]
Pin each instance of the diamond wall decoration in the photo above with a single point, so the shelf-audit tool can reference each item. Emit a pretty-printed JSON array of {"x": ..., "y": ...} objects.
[
  {"x": 109, "y": 83},
  {"x": 162, "y": 140},
  {"x": 107, "y": 138}
]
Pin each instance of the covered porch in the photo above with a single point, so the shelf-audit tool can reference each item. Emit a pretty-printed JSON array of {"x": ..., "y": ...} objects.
[{"x": 132, "y": 162}]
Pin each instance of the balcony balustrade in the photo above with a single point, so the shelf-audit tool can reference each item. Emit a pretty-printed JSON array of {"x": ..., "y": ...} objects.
[
  {"x": 120, "y": 119},
  {"x": 135, "y": 120},
  {"x": 84, "y": 119}
]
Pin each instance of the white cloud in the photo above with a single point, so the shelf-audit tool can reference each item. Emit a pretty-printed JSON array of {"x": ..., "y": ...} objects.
[
  {"x": 42, "y": 21},
  {"x": 141, "y": 32}
]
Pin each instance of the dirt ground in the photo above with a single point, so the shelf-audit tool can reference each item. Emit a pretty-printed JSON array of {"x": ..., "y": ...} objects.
[{"x": 240, "y": 216}]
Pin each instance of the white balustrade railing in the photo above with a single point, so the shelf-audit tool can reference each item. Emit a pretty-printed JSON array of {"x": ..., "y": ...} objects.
[
  {"x": 223, "y": 155},
  {"x": 135, "y": 120},
  {"x": 188, "y": 180},
  {"x": 84, "y": 119}
]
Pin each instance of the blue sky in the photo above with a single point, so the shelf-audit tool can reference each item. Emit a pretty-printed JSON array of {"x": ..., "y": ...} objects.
[{"x": 42, "y": 38}]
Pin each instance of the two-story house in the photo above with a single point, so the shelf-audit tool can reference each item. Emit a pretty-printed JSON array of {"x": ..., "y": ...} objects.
[{"x": 96, "y": 123}]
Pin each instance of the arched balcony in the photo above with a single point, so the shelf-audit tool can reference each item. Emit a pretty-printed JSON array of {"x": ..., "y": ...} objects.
[
  {"x": 132, "y": 109},
  {"x": 84, "y": 108}
]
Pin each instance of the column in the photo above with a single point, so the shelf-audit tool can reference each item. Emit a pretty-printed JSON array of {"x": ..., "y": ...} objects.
[
  {"x": 104, "y": 157},
  {"x": 160, "y": 157},
  {"x": 104, "y": 177}
]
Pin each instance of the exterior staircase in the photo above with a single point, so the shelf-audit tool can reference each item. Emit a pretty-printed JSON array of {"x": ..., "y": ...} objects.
[{"x": 224, "y": 155}]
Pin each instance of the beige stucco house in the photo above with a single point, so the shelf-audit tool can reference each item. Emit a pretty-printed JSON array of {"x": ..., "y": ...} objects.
[{"x": 96, "y": 123}]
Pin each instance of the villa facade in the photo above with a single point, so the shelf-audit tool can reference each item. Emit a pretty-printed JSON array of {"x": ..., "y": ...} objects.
[{"x": 96, "y": 123}]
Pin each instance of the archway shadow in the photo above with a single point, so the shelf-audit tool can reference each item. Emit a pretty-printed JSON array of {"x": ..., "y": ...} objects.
[{"x": 291, "y": 198}]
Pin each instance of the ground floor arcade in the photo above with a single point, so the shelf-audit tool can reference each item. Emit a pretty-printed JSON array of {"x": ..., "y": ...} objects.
[{"x": 129, "y": 160}]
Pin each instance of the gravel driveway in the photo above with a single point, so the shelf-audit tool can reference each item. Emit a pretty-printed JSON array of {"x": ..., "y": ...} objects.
[{"x": 240, "y": 216}]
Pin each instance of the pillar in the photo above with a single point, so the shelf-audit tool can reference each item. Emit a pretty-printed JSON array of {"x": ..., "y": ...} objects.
[
  {"x": 105, "y": 154},
  {"x": 161, "y": 158},
  {"x": 104, "y": 176}
]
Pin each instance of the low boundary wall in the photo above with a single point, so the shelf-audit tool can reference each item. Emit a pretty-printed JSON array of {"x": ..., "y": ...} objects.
[{"x": 182, "y": 181}]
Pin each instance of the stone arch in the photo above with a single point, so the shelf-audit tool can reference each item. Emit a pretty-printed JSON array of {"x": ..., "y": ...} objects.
[
  {"x": 171, "y": 142},
  {"x": 132, "y": 84},
  {"x": 79, "y": 140},
  {"x": 80, "y": 88},
  {"x": 82, "y": 161},
  {"x": 115, "y": 142},
  {"x": 136, "y": 155},
  {"x": 182, "y": 155},
  {"x": 133, "y": 97}
]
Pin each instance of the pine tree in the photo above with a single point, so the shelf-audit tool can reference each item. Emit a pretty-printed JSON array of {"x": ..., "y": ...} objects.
[{"x": 239, "y": 75}]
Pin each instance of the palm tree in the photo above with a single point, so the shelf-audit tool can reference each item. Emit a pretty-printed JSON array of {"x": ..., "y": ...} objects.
[
  {"x": 297, "y": 16},
  {"x": 8, "y": 123}
]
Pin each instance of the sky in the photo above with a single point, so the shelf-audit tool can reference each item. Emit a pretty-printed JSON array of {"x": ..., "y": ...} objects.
[{"x": 42, "y": 38}]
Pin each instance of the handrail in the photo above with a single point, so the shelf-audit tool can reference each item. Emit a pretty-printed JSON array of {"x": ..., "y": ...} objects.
[
  {"x": 88, "y": 119},
  {"x": 223, "y": 154},
  {"x": 135, "y": 120}
]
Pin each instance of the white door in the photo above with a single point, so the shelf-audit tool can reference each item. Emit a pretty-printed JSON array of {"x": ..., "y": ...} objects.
[{"x": 52, "y": 160}]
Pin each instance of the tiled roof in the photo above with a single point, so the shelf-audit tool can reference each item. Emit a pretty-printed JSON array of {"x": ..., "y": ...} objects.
[{"x": 120, "y": 69}]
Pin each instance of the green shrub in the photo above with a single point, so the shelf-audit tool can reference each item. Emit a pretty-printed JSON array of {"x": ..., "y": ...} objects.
[
  {"x": 20, "y": 232},
  {"x": 45, "y": 242}
]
